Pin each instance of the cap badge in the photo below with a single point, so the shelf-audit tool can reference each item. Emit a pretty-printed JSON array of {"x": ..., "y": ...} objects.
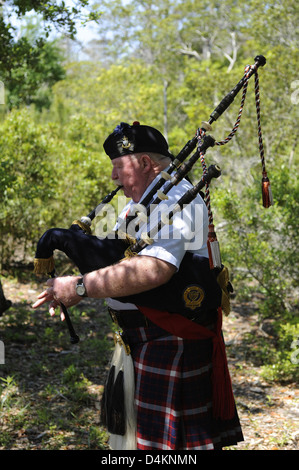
[
  {"x": 125, "y": 144},
  {"x": 193, "y": 297}
]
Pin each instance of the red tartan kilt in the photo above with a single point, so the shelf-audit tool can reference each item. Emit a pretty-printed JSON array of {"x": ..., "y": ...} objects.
[{"x": 173, "y": 393}]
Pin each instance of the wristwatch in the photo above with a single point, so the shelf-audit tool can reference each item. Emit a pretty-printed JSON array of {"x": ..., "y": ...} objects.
[{"x": 80, "y": 288}]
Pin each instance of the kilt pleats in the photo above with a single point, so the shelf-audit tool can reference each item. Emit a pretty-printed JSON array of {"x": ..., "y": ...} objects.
[{"x": 173, "y": 393}]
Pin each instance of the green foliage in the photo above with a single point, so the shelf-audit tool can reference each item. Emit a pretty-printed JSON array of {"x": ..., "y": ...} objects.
[
  {"x": 283, "y": 366},
  {"x": 29, "y": 66},
  {"x": 57, "y": 15},
  {"x": 39, "y": 171},
  {"x": 23, "y": 176},
  {"x": 166, "y": 64},
  {"x": 31, "y": 81},
  {"x": 53, "y": 403},
  {"x": 29, "y": 63},
  {"x": 102, "y": 96},
  {"x": 261, "y": 244}
]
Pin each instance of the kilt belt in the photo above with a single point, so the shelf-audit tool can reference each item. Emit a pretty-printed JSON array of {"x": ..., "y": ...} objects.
[
  {"x": 129, "y": 318},
  {"x": 136, "y": 319}
]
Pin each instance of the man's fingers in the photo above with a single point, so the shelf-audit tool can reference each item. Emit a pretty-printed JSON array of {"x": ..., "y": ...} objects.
[
  {"x": 45, "y": 296},
  {"x": 42, "y": 294},
  {"x": 39, "y": 302},
  {"x": 52, "y": 306},
  {"x": 58, "y": 291}
]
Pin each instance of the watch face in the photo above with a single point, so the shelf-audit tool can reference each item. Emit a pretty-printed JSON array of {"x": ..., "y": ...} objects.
[{"x": 80, "y": 290}]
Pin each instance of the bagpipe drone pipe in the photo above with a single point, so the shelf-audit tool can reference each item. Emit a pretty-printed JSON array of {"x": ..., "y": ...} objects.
[{"x": 208, "y": 276}]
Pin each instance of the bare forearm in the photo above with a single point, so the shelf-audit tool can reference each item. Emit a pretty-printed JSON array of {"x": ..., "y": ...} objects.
[{"x": 128, "y": 277}]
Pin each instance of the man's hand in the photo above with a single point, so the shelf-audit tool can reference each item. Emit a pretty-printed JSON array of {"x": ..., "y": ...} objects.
[{"x": 60, "y": 290}]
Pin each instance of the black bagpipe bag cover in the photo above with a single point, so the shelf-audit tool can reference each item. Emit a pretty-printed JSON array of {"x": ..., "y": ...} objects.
[{"x": 192, "y": 291}]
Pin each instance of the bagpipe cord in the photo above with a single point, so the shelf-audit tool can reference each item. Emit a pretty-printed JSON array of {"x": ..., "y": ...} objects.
[{"x": 213, "y": 247}]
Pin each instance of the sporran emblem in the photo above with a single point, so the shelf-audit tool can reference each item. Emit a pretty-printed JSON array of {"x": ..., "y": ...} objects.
[{"x": 193, "y": 297}]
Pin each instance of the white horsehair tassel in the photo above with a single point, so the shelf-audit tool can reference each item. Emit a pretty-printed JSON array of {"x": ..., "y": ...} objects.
[{"x": 123, "y": 361}]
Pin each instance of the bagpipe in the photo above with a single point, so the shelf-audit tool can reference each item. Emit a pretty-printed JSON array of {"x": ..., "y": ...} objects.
[{"x": 209, "y": 277}]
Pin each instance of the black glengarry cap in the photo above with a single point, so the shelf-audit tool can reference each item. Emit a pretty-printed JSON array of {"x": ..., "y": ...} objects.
[{"x": 127, "y": 139}]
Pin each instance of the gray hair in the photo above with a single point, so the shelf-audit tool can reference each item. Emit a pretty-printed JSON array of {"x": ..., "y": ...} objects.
[{"x": 161, "y": 160}]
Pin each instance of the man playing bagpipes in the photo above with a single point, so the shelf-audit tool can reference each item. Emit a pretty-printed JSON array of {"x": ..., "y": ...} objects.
[{"x": 168, "y": 386}]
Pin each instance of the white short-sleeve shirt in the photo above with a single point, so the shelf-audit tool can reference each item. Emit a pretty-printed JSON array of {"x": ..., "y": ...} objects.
[{"x": 188, "y": 230}]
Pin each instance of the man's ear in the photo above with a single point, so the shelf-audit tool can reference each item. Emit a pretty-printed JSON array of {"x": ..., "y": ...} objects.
[{"x": 146, "y": 162}]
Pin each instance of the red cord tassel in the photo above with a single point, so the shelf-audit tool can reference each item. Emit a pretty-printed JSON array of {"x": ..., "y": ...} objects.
[{"x": 266, "y": 191}]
